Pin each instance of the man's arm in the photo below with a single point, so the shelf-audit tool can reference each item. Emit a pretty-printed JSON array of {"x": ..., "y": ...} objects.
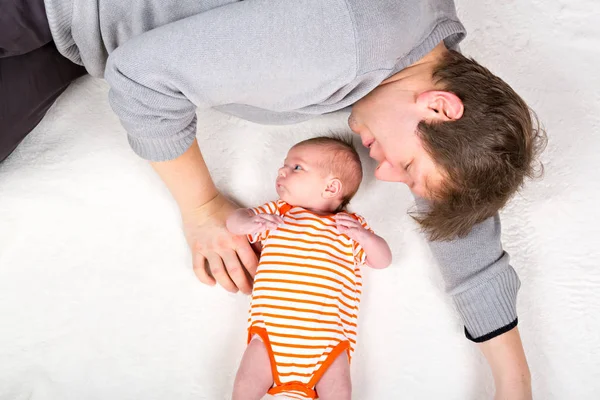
[
  {"x": 478, "y": 276},
  {"x": 256, "y": 54},
  {"x": 484, "y": 287},
  {"x": 506, "y": 358}
]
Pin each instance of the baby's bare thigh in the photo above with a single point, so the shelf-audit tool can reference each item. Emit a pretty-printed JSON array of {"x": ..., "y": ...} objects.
[
  {"x": 254, "y": 377},
  {"x": 335, "y": 384}
]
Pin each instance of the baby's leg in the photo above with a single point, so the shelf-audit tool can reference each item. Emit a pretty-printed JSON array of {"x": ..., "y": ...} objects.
[
  {"x": 335, "y": 384},
  {"x": 254, "y": 377}
]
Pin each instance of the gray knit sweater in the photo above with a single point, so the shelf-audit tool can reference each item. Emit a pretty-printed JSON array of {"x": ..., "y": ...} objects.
[{"x": 274, "y": 62}]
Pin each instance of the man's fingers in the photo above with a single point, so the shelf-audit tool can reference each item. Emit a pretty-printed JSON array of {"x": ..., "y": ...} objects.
[
  {"x": 236, "y": 271},
  {"x": 217, "y": 269},
  {"x": 247, "y": 257},
  {"x": 200, "y": 269}
]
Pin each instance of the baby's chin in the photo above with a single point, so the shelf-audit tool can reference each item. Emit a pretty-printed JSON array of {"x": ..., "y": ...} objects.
[{"x": 284, "y": 195}]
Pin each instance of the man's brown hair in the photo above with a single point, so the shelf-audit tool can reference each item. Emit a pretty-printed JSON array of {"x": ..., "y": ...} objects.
[
  {"x": 344, "y": 163},
  {"x": 485, "y": 155}
]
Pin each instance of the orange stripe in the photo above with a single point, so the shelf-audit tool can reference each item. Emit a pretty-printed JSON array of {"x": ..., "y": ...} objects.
[
  {"x": 312, "y": 311},
  {"x": 296, "y": 365},
  {"x": 315, "y": 236},
  {"x": 331, "y": 357},
  {"x": 277, "y": 307},
  {"x": 300, "y": 346},
  {"x": 312, "y": 250},
  {"x": 316, "y": 294},
  {"x": 260, "y": 297},
  {"x": 295, "y": 240},
  {"x": 260, "y": 279},
  {"x": 306, "y": 274},
  {"x": 305, "y": 292},
  {"x": 313, "y": 258},
  {"x": 271, "y": 333},
  {"x": 317, "y": 228},
  {"x": 259, "y": 289},
  {"x": 342, "y": 331},
  {"x": 299, "y": 337},
  {"x": 305, "y": 211},
  {"x": 325, "y": 221},
  {"x": 288, "y": 355},
  {"x": 313, "y": 320},
  {"x": 305, "y": 328},
  {"x": 306, "y": 375}
]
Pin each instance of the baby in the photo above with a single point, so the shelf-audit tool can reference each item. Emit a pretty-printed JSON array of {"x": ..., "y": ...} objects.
[{"x": 304, "y": 306}]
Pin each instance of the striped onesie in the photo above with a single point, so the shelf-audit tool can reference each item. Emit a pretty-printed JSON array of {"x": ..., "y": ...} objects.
[{"x": 305, "y": 298}]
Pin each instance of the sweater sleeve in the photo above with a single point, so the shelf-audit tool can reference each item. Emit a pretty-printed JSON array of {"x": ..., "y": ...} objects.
[
  {"x": 271, "y": 55},
  {"x": 479, "y": 278}
]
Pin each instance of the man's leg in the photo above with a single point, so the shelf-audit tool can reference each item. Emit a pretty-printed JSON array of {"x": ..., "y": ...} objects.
[
  {"x": 32, "y": 71},
  {"x": 29, "y": 85}
]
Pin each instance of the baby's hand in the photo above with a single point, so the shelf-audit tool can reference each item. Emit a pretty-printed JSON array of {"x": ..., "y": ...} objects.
[
  {"x": 347, "y": 225},
  {"x": 261, "y": 222}
]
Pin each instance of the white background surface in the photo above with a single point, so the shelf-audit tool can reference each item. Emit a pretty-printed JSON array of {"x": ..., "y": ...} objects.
[{"x": 98, "y": 299}]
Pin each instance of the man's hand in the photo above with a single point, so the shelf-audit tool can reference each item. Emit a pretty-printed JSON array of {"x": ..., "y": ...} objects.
[
  {"x": 204, "y": 212},
  {"x": 245, "y": 222},
  {"x": 218, "y": 255}
]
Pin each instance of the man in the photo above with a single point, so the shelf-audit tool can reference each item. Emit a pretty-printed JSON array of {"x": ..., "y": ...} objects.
[{"x": 458, "y": 136}]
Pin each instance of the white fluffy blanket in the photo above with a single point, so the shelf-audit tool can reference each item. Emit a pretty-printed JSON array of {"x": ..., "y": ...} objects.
[{"x": 98, "y": 299}]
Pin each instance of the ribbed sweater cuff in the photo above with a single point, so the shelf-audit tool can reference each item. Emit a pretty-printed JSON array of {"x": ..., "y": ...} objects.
[
  {"x": 60, "y": 16},
  {"x": 153, "y": 149},
  {"x": 489, "y": 309}
]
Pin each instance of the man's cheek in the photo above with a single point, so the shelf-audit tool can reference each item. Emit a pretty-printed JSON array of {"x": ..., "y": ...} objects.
[{"x": 386, "y": 172}]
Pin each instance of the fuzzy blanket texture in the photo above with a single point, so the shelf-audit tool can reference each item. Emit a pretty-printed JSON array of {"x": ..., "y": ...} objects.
[{"x": 98, "y": 299}]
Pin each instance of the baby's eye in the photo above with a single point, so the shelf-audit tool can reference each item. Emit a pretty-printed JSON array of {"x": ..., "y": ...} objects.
[{"x": 297, "y": 168}]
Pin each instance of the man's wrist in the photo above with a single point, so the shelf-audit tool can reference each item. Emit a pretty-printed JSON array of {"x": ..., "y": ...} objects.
[{"x": 206, "y": 209}]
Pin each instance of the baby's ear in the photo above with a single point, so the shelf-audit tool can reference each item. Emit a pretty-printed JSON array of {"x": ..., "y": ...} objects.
[{"x": 333, "y": 189}]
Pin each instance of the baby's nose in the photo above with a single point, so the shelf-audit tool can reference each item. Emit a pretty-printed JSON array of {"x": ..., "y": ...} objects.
[{"x": 282, "y": 172}]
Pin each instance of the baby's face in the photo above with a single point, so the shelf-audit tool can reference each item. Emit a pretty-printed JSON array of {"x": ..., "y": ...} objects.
[{"x": 301, "y": 181}]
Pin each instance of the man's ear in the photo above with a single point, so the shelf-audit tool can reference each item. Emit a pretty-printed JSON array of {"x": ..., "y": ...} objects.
[
  {"x": 440, "y": 105},
  {"x": 333, "y": 189}
]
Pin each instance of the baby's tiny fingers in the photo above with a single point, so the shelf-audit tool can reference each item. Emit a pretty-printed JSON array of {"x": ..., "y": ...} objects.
[
  {"x": 270, "y": 218},
  {"x": 344, "y": 217},
  {"x": 347, "y": 224},
  {"x": 272, "y": 225},
  {"x": 341, "y": 227}
]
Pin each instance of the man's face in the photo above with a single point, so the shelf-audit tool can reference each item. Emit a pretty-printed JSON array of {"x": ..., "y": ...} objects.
[{"x": 386, "y": 120}]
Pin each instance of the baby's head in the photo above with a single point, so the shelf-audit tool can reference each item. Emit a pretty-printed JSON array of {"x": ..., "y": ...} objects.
[{"x": 320, "y": 174}]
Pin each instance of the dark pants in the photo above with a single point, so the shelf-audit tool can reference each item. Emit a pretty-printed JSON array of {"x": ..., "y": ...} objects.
[{"x": 32, "y": 71}]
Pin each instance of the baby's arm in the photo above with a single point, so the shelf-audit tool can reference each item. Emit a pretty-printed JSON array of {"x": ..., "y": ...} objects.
[
  {"x": 375, "y": 247},
  {"x": 243, "y": 221}
]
